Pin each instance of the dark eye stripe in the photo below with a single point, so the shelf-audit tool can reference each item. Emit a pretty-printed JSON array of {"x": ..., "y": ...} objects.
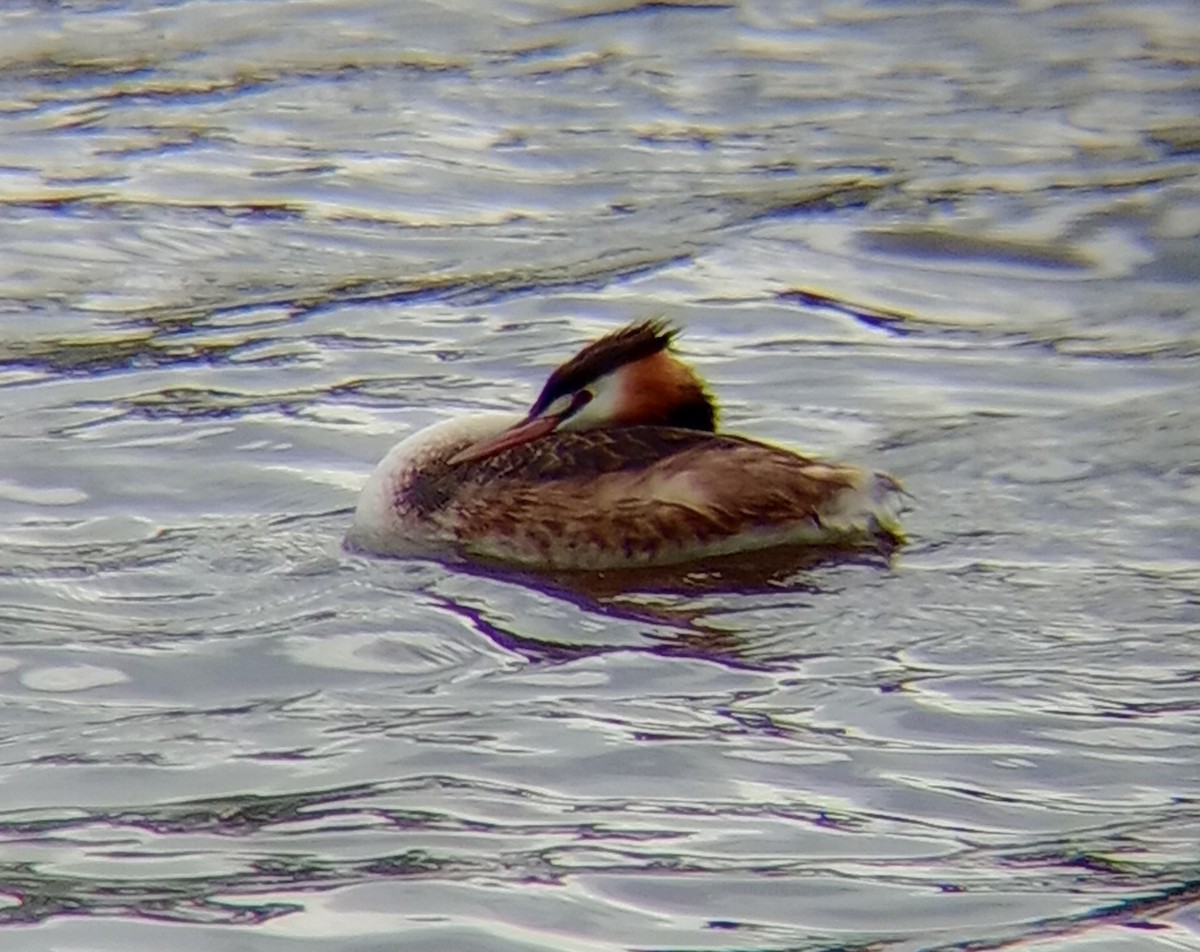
[{"x": 604, "y": 356}]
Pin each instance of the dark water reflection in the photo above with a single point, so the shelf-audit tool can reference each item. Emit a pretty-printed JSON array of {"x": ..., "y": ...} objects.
[{"x": 244, "y": 247}]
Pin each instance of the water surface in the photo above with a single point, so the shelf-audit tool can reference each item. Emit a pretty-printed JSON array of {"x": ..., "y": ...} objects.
[{"x": 246, "y": 246}]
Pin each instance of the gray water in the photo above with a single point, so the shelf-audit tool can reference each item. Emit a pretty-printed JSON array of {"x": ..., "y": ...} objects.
[{"x": 247, "y": 246}]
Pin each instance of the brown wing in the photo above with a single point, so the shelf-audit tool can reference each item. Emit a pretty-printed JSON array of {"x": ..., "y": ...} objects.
[
  {"x": 559, "y": 457},
  {"x": 638, "y": 491},
  {"x": 591, "y": 453}
]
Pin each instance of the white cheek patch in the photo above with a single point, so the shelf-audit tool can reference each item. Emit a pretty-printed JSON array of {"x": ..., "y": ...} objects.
[
  {"x": 601, "y": 409},
  {"x": 560, "y": 405}
]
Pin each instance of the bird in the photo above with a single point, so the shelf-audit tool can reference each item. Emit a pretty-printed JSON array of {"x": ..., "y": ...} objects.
[{"x": 617, "y": 464}]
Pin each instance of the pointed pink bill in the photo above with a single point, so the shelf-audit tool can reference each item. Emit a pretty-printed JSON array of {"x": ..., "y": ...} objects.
[{"x": 515, "y": 435}]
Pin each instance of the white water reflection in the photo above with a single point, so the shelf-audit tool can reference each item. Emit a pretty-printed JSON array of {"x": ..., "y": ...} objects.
[{"x": 244, "y": 247}]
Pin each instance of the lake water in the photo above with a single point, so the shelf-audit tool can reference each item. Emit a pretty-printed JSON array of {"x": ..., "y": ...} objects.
[{"x": 247, "y": 246}]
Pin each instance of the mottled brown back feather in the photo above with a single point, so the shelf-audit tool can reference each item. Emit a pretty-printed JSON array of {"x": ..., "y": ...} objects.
[
  {"x": 575, "y": 455},
  {"x": 640, "y": 490}
]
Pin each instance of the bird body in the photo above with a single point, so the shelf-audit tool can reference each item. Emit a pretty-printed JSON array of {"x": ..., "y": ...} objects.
[{"x": 645, "y": 481}]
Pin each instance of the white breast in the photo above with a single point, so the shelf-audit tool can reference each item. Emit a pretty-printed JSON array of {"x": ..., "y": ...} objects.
[{"x": 383, "y": 522}]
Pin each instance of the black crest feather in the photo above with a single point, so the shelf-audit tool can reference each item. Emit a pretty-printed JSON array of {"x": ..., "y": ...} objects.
[{"x": 598, "y": 358}]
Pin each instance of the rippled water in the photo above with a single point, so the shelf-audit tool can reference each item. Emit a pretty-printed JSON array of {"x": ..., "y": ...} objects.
[{"x": 244, "y": 247}]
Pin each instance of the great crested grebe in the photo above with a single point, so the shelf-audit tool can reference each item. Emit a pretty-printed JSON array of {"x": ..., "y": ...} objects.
[{"x": 616, "y": 464}]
